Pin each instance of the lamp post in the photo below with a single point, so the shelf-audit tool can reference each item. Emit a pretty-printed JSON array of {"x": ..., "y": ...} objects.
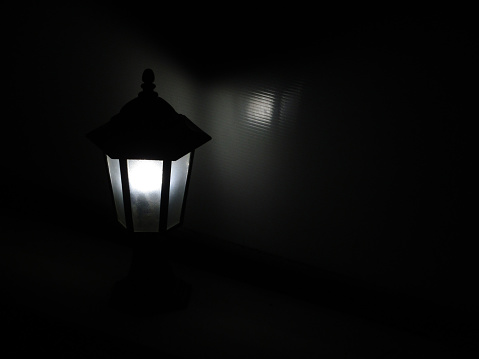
[{"x": 149, "y": 150}]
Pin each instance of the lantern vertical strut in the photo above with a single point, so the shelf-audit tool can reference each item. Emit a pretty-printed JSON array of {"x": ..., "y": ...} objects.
[
  {"x": 165, "y": 195},
  {"x": 125, "y": 185}
]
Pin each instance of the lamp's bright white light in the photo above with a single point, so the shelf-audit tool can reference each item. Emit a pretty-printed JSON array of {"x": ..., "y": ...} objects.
[
  {"x": 145, "y": 175},
  {"x": 145, "y": 178}
]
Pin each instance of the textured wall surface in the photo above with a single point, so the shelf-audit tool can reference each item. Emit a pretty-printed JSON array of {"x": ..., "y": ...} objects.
[{"x": 340, "y": 147}]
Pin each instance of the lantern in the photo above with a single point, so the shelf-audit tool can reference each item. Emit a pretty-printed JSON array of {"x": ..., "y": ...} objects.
[{"x": 149, "y": 150}]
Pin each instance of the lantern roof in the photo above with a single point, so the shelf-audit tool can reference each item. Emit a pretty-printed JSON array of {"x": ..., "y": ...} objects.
[{"x": 148, "y": 127}]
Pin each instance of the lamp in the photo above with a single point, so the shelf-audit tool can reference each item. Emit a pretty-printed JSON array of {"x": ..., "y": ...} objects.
[{"x": 149, "y": 150}]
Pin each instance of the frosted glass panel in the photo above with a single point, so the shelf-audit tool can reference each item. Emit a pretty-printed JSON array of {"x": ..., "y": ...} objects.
[
  {"x": 145, "y": 178},
  {"x": 179, "y": 172},
  {"x": 115, "y": 177}
]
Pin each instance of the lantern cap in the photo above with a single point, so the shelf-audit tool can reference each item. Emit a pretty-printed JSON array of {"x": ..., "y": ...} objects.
[{"x": 148, "y": 127}]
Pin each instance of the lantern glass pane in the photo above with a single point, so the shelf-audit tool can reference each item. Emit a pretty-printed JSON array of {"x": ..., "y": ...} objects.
[
  {"x": 115, "y": 177},
  {"x": 145, "y": 178},
  {"x": 179, "y": 173}
]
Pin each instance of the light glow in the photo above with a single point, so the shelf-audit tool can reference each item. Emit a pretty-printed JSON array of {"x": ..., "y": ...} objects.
[
  {"x": 259, "y": 109},
  {"x": 145, "y": 179},
  {"x": 145, "y": 175},
  {"x": 179, "y": 173},
  {"x": 116, "y": 186}
]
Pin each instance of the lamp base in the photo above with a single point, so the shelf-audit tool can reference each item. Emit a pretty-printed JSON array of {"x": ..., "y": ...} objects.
[
  {"x": 151, "y": 286},
  {"x": 145, "y": 298}
]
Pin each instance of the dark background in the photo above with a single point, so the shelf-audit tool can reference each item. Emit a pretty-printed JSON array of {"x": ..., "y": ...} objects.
[{"x": 364, "y": 167}]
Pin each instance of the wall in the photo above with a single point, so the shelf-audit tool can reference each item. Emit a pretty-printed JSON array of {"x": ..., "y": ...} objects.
[{"x": 341, "y": 151}]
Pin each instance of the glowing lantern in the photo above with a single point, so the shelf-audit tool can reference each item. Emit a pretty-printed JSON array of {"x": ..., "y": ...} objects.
[{"x": 149, "y": 149}]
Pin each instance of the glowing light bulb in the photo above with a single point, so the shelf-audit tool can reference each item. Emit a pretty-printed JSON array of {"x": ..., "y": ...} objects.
[{"x": 145, "y": 175}]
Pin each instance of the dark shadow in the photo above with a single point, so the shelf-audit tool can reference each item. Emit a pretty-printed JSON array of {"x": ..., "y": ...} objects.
[
  {"x": 151, "y": 286},
  {"x": 448, "y": 324}
]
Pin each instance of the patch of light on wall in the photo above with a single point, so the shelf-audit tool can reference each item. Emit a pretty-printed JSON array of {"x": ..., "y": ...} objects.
[
  {"x": 260, "y": 109},
  {"x": 265, "y": 108}
]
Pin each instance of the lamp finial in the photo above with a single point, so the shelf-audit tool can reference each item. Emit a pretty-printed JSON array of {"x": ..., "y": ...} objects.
[{"x": 148, "y": 85}]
